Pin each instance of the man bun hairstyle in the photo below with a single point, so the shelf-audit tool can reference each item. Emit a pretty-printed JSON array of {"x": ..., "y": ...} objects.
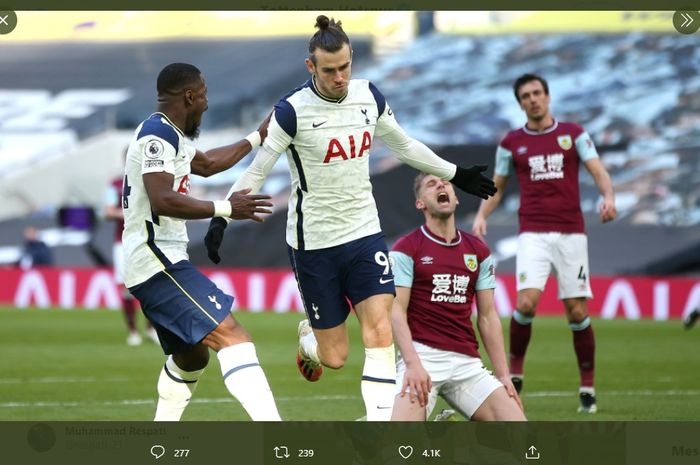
[
  {"x": 330, "y": 36},
  {"x": 176, "y": 77}
]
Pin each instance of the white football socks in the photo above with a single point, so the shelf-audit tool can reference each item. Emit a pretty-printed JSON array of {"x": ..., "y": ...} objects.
[
  {"x": 309, "y": 346},
  {"x": 379, "y": 383},
  {"x": 175, "y": 389},
  {"x": 245, "y": 380}
]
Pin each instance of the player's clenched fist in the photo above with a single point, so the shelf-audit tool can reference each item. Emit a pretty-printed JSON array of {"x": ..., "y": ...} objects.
[{"x": 246, "y": 207}]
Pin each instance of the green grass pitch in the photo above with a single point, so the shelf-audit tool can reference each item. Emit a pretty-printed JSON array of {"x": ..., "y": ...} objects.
[{"x": 75, "y": 365}]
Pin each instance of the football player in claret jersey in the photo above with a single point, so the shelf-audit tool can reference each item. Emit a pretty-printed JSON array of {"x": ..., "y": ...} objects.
[
  {"x": 113, "y": 211},
  {"x": 545, "y": 155},
  {"x": 190, "y": 314},
  {"x": 335, "y": 243},
  {"x": 439, "y": 271}
]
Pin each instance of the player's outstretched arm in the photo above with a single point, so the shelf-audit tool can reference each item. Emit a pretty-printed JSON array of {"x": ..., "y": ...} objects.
[
  {"x": 166, "y": 202},
  {"x": 252, "y": 179},
  {"x": 220, "y": 159},
  {"x": 416, "y": 154},
  {"x": 491, "y": 330}
]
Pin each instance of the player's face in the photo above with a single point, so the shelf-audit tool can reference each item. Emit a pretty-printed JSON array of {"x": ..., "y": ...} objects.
[
  {"x": 198, "y": 104},
  {"x": 534, "y": 101},
  {"x": 437, "y": 197},
  {"x": 331, "y": 71}
]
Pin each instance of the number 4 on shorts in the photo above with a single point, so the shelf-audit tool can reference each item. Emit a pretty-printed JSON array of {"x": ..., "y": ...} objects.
[{"x": 581, "y": 274}]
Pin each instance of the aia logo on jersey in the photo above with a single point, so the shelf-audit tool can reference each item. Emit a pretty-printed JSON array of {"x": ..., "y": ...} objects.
[
  {"x": 184, "y": 187},
  {"x": 349, "y": 151}
]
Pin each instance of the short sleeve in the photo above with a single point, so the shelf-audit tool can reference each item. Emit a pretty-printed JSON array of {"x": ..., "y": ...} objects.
[
  {"x": 487, "y": 275},
  {"x": 111, "y": 196},
  {"x": 157, "y": 155},
  {"x": 585, "y": 147},
  {"x": 402, "y": 267},
  {"x": 504, "y": 161}
]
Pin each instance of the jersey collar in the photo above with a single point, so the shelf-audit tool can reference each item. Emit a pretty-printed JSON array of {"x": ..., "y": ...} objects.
[
  {"x": 544, "y": 131},
  {"x": 440, "y": 240},
  {"x": 312, "y": 85},
  {"x": 168, "y": 120}
]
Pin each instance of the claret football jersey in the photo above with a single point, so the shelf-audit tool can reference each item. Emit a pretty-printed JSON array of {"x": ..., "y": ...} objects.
[
  {"x": 547, "y": 166},
  {"x": 443, "y": 278}
]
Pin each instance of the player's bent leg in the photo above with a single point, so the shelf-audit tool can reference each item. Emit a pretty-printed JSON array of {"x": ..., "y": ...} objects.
[
  {"x": 584, "y": 346},
  {"x": 332, "y": 345},
  {"x": 243, "y": 376},
  {"x": 379, "y": 372},
  {"x": 405, "y": 410},
  {"x": 308, "y": 359},
  {"x": 520, "y": 333},
  {"x": 178, "y": 381},
  {"x": 499, "y": 406}
]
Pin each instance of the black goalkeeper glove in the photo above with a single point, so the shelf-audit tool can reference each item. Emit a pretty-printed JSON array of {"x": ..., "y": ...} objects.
[
  {"x": 215, "y": 234},
  {"x": 472, "y": 181}
]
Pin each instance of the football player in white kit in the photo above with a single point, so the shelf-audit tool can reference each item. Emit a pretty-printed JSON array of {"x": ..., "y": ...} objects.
[
  {"x": 335, "y": 243},
  {"x": 190, "y": 314}
]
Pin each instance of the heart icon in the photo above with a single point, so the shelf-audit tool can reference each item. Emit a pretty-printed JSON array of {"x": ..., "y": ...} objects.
[{"x": 405, "y": 451}]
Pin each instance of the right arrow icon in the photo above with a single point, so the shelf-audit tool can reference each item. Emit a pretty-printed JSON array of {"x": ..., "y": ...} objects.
[{"x": 686, "y": 21}]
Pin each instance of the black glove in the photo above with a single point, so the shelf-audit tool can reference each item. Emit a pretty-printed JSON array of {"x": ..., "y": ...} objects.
[
  {"x": 215, "y": 234},
  {"x": 472, "y": 181}
]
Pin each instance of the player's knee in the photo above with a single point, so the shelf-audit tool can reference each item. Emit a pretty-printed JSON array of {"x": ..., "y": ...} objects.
[
  {"x": 334, "y": 356},
  {"x": 194, "y": 359},
  {"x": 577, "y": 311},
  {"x": 527, "y": 306},
  {"x": 379, "y": 335},
  {"x": 228, "y": 333},
  {"x": 335, "y": 360}
]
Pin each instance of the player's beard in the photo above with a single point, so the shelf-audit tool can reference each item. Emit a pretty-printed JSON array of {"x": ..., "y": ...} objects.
[{"x": 193, "y": 132}]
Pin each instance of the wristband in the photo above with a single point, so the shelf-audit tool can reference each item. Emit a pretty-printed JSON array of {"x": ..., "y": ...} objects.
[
  {"x": 222, "y": 208},
  {"x": 254, "y": 139}
]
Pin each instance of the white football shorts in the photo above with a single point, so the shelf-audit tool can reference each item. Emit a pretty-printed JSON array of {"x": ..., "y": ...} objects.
[
  {"x": 567, "y": 253},
  {"x": 461, "y": 380},
  {"x": 118, "y": 262}
]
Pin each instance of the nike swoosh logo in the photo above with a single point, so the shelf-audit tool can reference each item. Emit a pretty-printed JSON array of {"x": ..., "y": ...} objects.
[
  {"x": 315, "y": 125},
  {"x": 384, "y": 281},
  {"x": 382, "y": 408}
]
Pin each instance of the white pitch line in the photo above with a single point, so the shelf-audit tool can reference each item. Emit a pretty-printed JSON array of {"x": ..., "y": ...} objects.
[
  {"x": 224, "y": 400},
  {"x": 220, "y": 400},
  {"x": 62, "y": 380}
]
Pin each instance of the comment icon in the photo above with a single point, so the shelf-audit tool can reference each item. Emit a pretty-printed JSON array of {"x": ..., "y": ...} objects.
[{"x": 157, "y": 451}]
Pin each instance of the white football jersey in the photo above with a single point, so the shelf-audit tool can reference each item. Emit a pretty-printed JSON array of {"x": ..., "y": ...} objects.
[
  {"x": 153, "y": 242},
  {"x": 328, "y": 145}
]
